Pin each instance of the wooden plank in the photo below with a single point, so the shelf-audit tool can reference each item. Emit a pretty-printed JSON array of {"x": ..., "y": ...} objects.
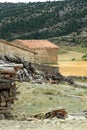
[
  {"x": 5, "y": 86},
  {"x": 12, "y": 65},
  {"x": 8, "y": 76},
  {"x": 4, "y": 108},
  {"x": 4, "y": 111},
  {"x": 5, "y": 81},
  {"x": 10, "y": 83},
  {"x": 7, "y": 70},
  {"x": 8, "y": 99}
]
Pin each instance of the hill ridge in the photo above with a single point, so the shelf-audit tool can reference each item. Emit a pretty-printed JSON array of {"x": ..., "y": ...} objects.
[{"x": 42, "y": 20}]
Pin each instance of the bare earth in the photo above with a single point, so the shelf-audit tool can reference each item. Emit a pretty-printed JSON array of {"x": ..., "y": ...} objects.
[{"x": 55, "y": 124}]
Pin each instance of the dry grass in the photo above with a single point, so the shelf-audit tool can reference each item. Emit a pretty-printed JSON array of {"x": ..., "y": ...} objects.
[
  {"x": 76, "y": 68},
  {"x": 37, "y": 98},
  {"x": 71, "y": 63},
  {"x": 70, "y": 55},
  {"x": 66, "y": 48}
]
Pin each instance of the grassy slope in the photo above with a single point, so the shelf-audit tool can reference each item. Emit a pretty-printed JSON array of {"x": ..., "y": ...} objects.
[
  {"x": 40, "y": 98},
  {"x": 64, "y": 49}
]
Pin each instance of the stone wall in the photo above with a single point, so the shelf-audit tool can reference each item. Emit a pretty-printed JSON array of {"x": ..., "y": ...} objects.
[
  {"x": 46, "y": 68},
  {"x": 48, "y": 56},
  {"x": 9, "y": 49}
]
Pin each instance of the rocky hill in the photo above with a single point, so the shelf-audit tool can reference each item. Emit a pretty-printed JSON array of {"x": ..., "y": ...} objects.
[{"x": 42, "y": 19}]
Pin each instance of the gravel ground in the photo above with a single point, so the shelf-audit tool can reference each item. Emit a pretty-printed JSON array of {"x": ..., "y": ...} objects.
[{"x": 71, "y": 123}]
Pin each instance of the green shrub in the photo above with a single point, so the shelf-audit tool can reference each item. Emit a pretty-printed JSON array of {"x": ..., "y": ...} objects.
[
  {"x": 84, "y": 57},
  {"x": 73, "y": 59}
]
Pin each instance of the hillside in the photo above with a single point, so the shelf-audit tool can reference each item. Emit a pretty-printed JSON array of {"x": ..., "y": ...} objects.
[
  {"x": 73, "y": 39},
  {"x": 42, "y": 19}
]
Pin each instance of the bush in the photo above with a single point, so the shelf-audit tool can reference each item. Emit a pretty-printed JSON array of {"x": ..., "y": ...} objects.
[
  {"x": 84, "y": 57},
  {"x": 73, "y": 59}
]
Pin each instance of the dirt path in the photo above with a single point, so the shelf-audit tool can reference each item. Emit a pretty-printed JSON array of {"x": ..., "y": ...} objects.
[{"x": 47, "y": 124}]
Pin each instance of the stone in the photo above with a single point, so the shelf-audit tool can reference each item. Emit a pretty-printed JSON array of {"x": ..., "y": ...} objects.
[{"x": 2, "y": 117}]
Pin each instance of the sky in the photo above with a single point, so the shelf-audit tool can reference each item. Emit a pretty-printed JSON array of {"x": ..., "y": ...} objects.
[{"x": 26, "y": 1}]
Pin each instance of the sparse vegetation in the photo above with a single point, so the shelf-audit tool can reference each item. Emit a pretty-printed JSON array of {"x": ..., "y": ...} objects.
[
  {"x": 37, "y": 98},
  {"x": 84, "y": 57},
  {"x": 72, "y": 42},
  {"x": 73, "y": 59},
  {"x": 42, "y": 20}
]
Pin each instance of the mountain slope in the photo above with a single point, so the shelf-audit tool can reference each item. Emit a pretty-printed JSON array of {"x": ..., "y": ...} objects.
[{"x": 42, "y": 19}]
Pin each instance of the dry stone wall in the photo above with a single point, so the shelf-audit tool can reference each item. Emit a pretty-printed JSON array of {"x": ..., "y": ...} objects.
[
  {"x": 9, "y": 49},
  {"x": 48, "y": 56}
]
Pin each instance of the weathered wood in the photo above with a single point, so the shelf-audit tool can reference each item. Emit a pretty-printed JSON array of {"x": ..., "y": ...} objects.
[
  {"x": 8, "y": 99},
  {"x": 7, "y": 70},
  {"x": 7, "y": 84},
  {"x": 2, "y": 116},
  {"x": 12, "y": 65},
  {"x": 4, "y": 111},
  {"x": 5, "y": 81},
  {"x": 4, "y": 108},
  {"x": 15, "y": 66},
  {"x": 6, "y": 87},
  {"x": 60, "y": 113},
  {"x": 8, "y": 76}
]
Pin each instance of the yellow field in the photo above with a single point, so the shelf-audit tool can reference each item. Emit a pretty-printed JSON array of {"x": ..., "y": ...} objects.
[
  {"x": 76, "y": 68},
  {"x": 68, "y": 67}
]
